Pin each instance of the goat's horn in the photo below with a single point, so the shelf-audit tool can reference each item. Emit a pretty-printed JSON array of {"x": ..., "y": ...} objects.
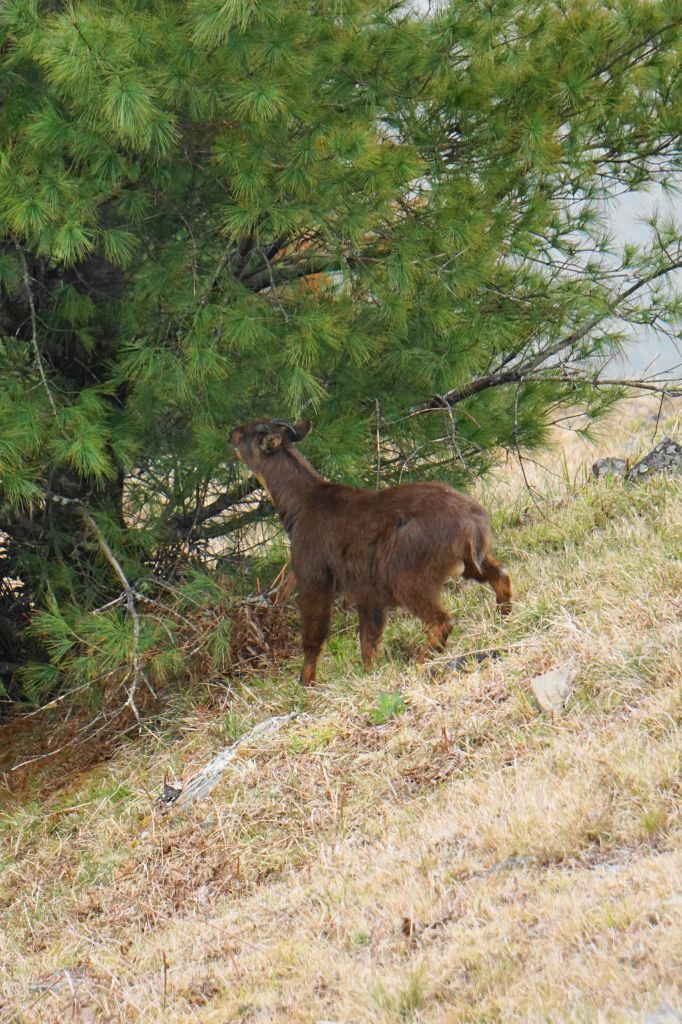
[{"x": 293, "y": 432}]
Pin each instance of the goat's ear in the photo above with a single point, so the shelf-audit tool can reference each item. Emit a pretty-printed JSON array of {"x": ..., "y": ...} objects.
[
  {"x": 302, "y": 429},
  {"x": 270, "y": 443}
]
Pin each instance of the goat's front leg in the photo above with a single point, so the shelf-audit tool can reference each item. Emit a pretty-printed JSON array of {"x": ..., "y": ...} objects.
[
  {"x": 316, "y": 614},
  {"x": 372, "y": 624}
]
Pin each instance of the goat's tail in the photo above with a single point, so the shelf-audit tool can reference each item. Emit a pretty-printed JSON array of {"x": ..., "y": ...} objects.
[
  {"x": 476, "y": 552},
  {"x": 480, "y": 565}
]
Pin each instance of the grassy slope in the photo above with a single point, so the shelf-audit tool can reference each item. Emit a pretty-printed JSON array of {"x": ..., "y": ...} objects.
[{"x": 468, "y": 861}]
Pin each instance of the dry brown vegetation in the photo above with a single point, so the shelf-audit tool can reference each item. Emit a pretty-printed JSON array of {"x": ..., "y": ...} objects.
[{"x": 469, "y": 860}]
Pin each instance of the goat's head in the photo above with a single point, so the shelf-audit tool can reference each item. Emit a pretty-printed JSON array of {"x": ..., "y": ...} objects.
[{"x": 254, "y": 443}]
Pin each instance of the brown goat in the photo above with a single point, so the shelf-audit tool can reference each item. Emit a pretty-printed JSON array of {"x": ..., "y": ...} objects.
[{"x": 381, "y": 549}]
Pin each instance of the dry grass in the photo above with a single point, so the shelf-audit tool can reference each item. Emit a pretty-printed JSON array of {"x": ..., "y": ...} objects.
[{"x": 467, "y": 861}]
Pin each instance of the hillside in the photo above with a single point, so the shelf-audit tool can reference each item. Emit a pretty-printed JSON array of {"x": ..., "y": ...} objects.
[{"x": 467, "y": 860}]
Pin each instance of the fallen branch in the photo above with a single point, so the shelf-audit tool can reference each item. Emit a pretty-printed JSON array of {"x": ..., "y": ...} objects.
[{"x": 203, "y": 782}]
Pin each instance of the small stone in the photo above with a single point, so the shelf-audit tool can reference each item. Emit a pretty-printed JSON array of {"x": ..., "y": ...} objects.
[
  {"x": 202, "y": 894},
  {"x": 512, "y": 863},
  {"x": 673, "y": 902},
  {"x": 642, "y": 468},
  {"x": 552, "y": 689},
  {"x": 665, "y": 1014},
  {"x": 170, "y": 793},
  {"x": 609, "y": 466}
]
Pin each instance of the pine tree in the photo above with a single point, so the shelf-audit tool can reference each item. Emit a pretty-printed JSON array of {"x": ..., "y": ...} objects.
[{"x": 391, "y": 220}]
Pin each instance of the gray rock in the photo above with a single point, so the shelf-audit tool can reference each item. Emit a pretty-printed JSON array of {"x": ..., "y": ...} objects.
[
  {"x": 609, "y": 466},
  {"x": 666, "y": 457}
]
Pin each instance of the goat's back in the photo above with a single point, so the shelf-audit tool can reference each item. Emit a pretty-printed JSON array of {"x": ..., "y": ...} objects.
[{"x": 368, "y": 541}]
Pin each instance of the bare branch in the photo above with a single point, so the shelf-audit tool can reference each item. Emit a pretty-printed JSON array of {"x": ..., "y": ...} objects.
[
  {"x": 184, "y": 525},
  {"x": 101, "y": 540},
  {"x": 128, "y": 598},
  {"x": 302, "y": 264},
  {"x": 262, "y": 511},
  {"x": 280, "y": 273},
  {"x": 34, "y": 329}
]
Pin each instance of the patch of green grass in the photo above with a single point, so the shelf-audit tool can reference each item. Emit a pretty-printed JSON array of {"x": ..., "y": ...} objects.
[
  {"x": 314, "y": 738},
  {"x": 406, "y": 999},
  {"x": 561, "y": 524},
  {"x": 655, "y": 821},
  {"x": 357, "y": 937},
  {"x": 234, "y": 726},
  {"x": 386, "y": 707},
  {"x": 341, "y": 654}
]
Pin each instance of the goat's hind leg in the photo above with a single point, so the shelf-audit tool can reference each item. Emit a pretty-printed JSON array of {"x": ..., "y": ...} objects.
[
  {"x": 490, "y": 571},
  {"x": 438, "y": 628},
  {"x": 425, "y": 604},
  {"x": 372, "y": 623}
]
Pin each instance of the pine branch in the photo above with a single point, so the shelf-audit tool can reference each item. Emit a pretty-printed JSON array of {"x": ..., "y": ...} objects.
[
  {"x": 243, "y": 252},
  {"x": 638, "y": 45},
  {"x": 275, "y": 247},
  {"x": 99, "y": 536},
  {"x": 214, "y": 280},
  {"x": 658, "y": 387},
  {"x": 520, "y": 373}
]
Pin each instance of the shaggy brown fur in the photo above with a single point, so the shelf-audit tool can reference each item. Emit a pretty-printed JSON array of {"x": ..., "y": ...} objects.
[{"x": 381, "y": 549}]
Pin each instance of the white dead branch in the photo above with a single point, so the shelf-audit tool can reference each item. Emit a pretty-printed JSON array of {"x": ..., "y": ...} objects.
[{"x": 201, "y": 784}]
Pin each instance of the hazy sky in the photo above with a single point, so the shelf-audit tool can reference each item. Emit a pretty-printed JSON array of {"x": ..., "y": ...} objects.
[{"x": 653, "y": 350}]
